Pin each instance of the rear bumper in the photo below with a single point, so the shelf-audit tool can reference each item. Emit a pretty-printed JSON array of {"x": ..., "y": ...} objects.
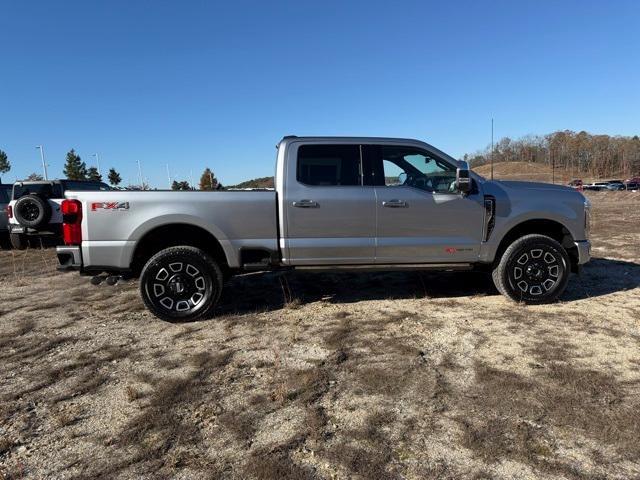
[
  {"x": 50, "y": 229},
  {"x": 69, "y": 258},
  {"x": 584, "y": 251}
]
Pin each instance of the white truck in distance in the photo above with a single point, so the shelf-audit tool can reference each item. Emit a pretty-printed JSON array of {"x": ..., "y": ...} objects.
[{"x": 339, "y": 203}]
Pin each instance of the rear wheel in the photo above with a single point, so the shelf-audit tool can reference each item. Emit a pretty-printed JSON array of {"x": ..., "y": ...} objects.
[
  {"x": 181, "y": 284},
  {"x": 534, "y": 269},
  {"x": 18, "y": 241}
]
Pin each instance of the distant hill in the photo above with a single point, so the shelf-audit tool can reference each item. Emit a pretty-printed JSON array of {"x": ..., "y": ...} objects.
[
  {"x": 596, "y": 156},
  {"x": 528, "y": 171},
  {"x": 263, "y": 182}
]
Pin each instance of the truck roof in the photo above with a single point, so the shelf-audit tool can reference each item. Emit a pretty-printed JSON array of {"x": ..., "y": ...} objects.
[
  {"x": 368, "y": 140},
  {"x": 349, "y": 139}
]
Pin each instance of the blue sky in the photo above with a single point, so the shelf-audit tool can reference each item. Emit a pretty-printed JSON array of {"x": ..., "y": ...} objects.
[{"x": 203, "y": 83}]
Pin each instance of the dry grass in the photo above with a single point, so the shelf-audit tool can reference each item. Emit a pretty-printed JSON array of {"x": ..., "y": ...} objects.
[{"x": 307, "y": 376}]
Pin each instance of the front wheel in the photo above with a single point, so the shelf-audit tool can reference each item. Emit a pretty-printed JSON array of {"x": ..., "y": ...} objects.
[
  {"x": 534, "y": 269},
  {"x": 181, "y": 284}
]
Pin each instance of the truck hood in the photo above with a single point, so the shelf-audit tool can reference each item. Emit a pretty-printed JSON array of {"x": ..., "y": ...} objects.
[{"x": 532, "y": 186}]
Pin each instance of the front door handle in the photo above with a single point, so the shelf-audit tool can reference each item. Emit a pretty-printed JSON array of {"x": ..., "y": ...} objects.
[
  {"x": 305, "y": 204},
  {"x": 395, "y": 204}
]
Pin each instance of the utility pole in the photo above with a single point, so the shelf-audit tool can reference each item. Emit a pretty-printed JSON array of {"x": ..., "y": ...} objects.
[
  {"x": 97, "y": 162},
  {"x": 44, "y": 165},
  {"x": 492, "y": 149}
]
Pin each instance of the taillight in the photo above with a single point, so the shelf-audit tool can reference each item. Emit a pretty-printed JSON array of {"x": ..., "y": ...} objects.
[
  {"x": 71, "y": 220},
  {"x": 9, "y": 210}
]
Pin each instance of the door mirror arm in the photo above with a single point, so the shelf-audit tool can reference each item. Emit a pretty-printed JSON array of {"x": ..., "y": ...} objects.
[{"x": 463, "y": 178}]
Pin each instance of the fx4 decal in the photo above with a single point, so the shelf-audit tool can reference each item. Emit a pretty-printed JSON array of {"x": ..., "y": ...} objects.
[{"x": 109, "y": 206}]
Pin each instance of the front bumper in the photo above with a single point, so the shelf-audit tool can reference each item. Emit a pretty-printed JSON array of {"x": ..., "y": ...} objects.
[
  {"x": 584, "y": 251},
  {"x": 69, "y": 257}
]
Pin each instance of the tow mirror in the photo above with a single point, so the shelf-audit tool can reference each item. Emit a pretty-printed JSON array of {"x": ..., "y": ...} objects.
[{"x": 463, "y": 177}]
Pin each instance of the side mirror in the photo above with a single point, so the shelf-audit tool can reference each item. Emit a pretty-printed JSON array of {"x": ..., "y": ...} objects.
[
  {"x": 402, "y": 178},
  {"x": 463, "y": 178}
]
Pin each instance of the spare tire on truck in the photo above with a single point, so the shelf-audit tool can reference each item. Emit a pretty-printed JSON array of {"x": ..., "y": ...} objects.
[{"x": 32, "y": 211}]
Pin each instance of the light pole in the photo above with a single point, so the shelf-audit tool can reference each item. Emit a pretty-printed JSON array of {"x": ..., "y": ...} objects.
[
  {"x": 44, "y": 165},
  {"x": 140, "y": 175},
  {"x": 492, "y": 149},
  {"x": 97, "y": 162}
]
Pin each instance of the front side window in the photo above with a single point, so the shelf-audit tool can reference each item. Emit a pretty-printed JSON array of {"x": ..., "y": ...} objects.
[
  {"x": 329, "y": 165},
  {"x": 408, "y": 166}
]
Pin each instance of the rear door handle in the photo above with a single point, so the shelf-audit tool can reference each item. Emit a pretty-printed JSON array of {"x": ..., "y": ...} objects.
[
  {"x": 305, "y": 204},
  {"x": 395, "y": 204}
]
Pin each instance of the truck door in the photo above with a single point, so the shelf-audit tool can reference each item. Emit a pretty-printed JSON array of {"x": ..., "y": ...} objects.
[
  {"x": 420, "y": 216},
  {"x": 329, "y": 213}
]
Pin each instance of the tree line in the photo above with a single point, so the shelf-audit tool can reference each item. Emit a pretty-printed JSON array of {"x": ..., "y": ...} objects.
[
  {"x": 208, "y": 181},
  {"x": 578, "y": 153},
  {"x": 76, "y": 169}
]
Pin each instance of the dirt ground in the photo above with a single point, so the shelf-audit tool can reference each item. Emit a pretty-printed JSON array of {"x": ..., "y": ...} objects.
[{"x": 371, "y": 376}]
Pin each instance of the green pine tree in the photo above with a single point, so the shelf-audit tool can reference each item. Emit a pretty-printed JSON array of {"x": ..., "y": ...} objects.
[
  {"x": 93, "y": 174},
  {"x": 114, "y": 177},
  {"x": 183, "y": 185},
  {"x": 5, "y": 165},
  {"x": 75, "y": 168}
]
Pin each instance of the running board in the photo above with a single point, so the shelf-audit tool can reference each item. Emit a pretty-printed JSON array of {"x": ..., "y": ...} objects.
[{"x": 447, "y": 267}]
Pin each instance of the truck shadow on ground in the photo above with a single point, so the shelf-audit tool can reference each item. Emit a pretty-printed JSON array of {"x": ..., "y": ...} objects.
[{"x": 276, "y": 290}]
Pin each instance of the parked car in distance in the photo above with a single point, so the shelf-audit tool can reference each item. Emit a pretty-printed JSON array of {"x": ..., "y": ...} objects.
[
  {"x": 5, "y": 195},
  {"x": 576, "y": 183},
  {"x": 615, "y": 185},
  {"x": 339, "y": 203},
  {"x": 596, "y": 186},
  {"x": 34, "y": 207},
  {"x": 632, "y": 185}
]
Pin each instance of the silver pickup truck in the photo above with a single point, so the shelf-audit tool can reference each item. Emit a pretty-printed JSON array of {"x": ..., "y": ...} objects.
[{"x": 339, "y": 203}]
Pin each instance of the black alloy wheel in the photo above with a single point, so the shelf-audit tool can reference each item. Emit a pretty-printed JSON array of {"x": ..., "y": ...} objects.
[
  {"x": 181, "y": 284},
  {"x": 534, "y": 269}
]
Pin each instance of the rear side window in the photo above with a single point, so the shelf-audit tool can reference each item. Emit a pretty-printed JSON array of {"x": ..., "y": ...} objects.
[{"x": 329, "y": 165}]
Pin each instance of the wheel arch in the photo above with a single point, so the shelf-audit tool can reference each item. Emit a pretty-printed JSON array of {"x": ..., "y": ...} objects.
[
  {"x": 542, "y": 226},
  {"x": 175, "y": 234}
]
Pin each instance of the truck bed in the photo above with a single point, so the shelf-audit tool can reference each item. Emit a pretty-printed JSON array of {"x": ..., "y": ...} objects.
[{"x": 113, "y": 222}]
